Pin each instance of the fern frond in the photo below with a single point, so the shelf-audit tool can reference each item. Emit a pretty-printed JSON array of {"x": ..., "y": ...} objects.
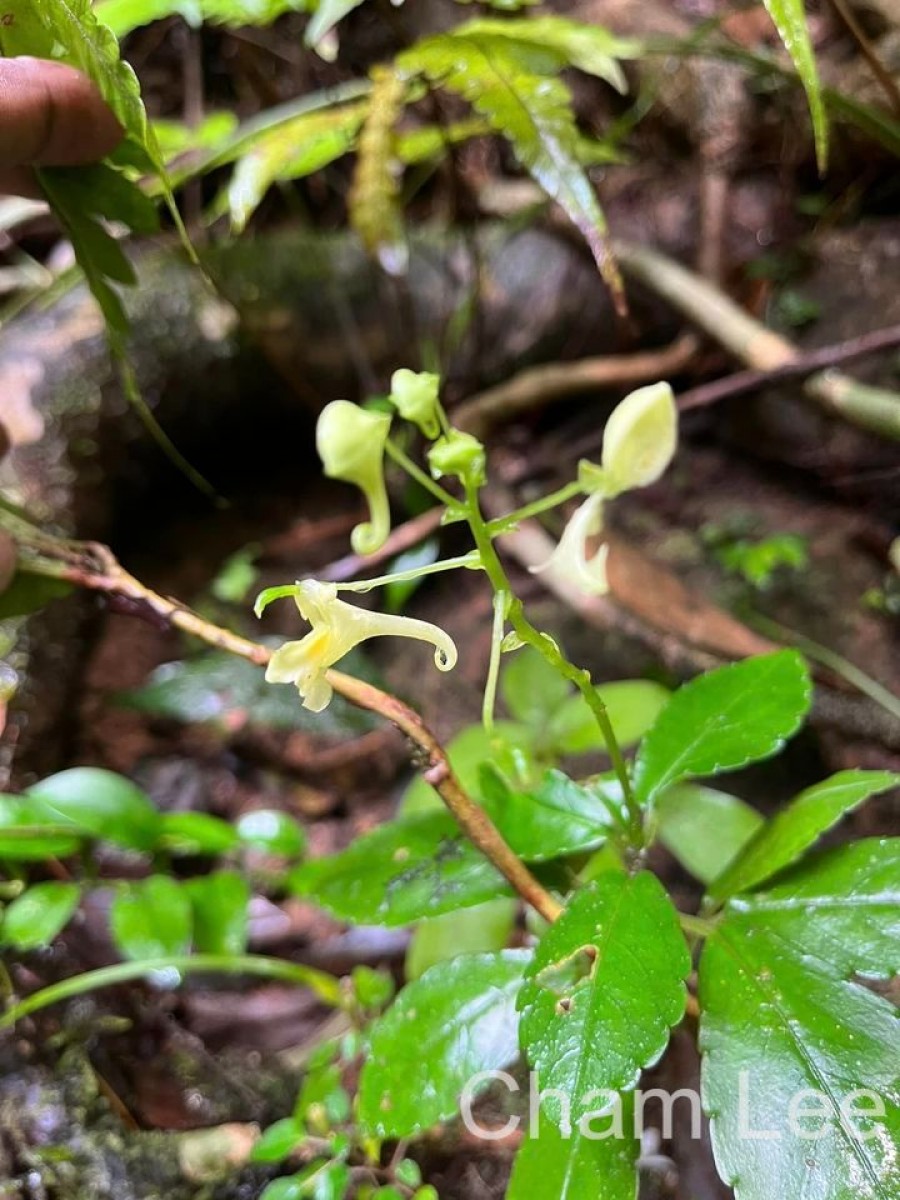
[
  {"x": 374, "y": 198},
  {"x": 512, "y": 84},
  {"x": 289, "y": 151},
  {"x": 590, "y": 48},
  {"x": 123, "y": 16}
]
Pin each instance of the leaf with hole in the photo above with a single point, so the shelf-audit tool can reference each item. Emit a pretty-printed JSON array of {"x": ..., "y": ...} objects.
[{"x": 603, "y": 991}]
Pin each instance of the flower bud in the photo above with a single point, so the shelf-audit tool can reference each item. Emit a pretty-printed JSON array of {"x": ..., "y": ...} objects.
[
  {"x": 458, "y": 454},
  {"x": 415, "y": 396},
  {"x": 350, "y": 441},
  {"x": 640, "y": 438}
]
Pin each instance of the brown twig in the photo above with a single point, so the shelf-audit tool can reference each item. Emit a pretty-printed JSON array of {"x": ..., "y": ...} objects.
[
  {"x": 93, "y": 566},
  {"x": 869, "y": 53},
  {"x": 805, "y": 363},
  {"x": 874, "y": 409},
  {"x": 538, "y": 385}
]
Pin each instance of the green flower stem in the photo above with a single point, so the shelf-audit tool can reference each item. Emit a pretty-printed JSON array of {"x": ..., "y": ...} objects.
[
  {"x": 700, "y": 927},
  {"x": 554, "y": 656},
  {"x": 470, "y": 561},
  {"x": 505, "y": 524},
  {"x": 421, "y": 477},
  {"x": 326, "y": 987}
]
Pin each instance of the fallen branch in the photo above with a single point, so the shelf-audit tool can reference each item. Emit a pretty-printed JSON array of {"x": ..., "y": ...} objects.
[
  {"x": 94, "y": 567},
  {"x": 537, "y": 386},
  {"x": 874, "y": 409}
]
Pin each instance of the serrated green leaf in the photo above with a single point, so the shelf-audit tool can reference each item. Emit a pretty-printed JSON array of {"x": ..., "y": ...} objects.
[
  {"x": 458, "y": 1020},
  {"x": 39, "y": 914},
  {"x": 723, "y": 720},
  {"x": 776, "y": 1025},
  {"x": 842, "y": 906},
  {"x": 219, "y": 902},
  {"x": 151, "y": 919},
  {"x": 789, "y": 17},
  {"x": 416, "y": 867},
  {"x": 196, "y": 833},
  {"x": 374, "y": 200},
  {"x": 290, "y": 150},
  {"x": 790, "y": 832},
  {"x": 556, "y": 818},
  {"x": 632, "y": 704},
  {"x": 99, "y": 804},
  {"x": 477, "y": 930},
  {"x": 512, "y": 84},
  {"x": 552, "y": 1167},
  {"x": 604, "y": 989},
  {"x": 704, "y": 829}
]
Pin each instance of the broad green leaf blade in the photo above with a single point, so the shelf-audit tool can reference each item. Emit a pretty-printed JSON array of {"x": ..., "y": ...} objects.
[
  {"x": 39, "y": 914},
  {"x": 478, "y": 930},
  {"x": 632, "y": 704},
  {"x": 196, "y": 833},
  {"x": 782, "y": 840},
  {"x": 458, "y": 1020},
  {"x": 558, "y": 817},
  {"x": 416, "y": 867},
  {"x": 704, "y": 829},
  {"x": 273, "y": 831},
  {"x": 151, "y": 919},
  {"x": 374, "y": 200},
  {"x": 512, "y": 85},
  {"x": 219, "y": 902},
  {"x": 779, "y": 1029},
  {"x": 26, "y": 834},
  {"x": 99, "y": 804},
  {"x": 552, "y": 1167},
  {"x": 724, "y": 720},
  {"x": 842, "y": 906},
  {"x": 789, "y": 17},
  {"x": 604, "y": 989}
]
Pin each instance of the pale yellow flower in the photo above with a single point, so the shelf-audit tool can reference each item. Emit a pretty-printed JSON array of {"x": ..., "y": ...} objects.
[
  {"x": 571, "y": 558},
  {"x": 337, "y": 627}
]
